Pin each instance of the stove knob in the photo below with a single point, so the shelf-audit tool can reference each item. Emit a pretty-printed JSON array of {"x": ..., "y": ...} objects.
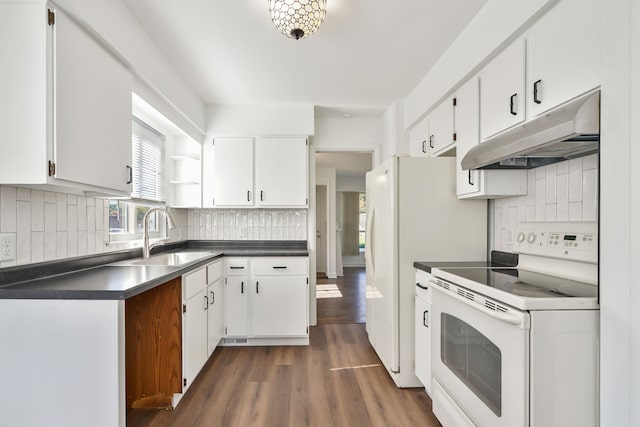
[
  {"x": 531, "y": 238},
  {"x": 520, "y": 237}
]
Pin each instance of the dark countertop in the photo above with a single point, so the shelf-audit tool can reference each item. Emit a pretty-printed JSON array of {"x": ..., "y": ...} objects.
[
  {"x": 498, "y": 259},
  {"x": 104, "y": 277}
]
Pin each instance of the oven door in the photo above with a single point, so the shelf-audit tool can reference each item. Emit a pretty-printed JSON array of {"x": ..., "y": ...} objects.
[{"x": 480, "y": 360}]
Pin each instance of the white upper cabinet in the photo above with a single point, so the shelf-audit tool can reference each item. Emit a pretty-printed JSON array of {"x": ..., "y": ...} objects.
[
  {"x": 267, "y": 172},
  {"x": 67, "y": 121},
  {"x": 281, "y": 171},
  {"x": 227, "y": 172},
  {"x": 419, "y": 139},
  {"x": 479, "y": 183},
  {"x": 442, "y": 136},
  {"x": 563, "y": 55},
  {"x": 502, "y": 88}
]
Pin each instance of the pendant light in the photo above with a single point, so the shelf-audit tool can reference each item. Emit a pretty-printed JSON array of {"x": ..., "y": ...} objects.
[{"x": 297, "y": 19}]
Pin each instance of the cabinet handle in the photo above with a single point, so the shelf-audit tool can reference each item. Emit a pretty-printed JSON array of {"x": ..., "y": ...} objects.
[
  {"x": 213, "y": 297},
  {"x": 424, "y": 146},
  {"x": 242, "y": 287},
  {"x": 130, "y": 174},
  {"x": 257, "y": 287},
  {"x": 279, "y": 267},
  {"x": 425, "y": 318},
  {"x": 469, "y": 179},
  {"x": 233, "y": 267},
  {"x": 536, "y": 99},
  {"x": 431, "y": 142},
  {"x": 206, "y": 302},
  {"x": 512, "y": 104},
  {"x": 261, "y": 196},
  {"x": 248, "y": 196}
]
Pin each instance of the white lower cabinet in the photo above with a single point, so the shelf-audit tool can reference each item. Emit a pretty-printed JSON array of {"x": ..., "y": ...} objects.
[
  {"x": 423, "y": 330},
  {"x": 201, "y": 318},
  {"x": 269, "y": 303}
]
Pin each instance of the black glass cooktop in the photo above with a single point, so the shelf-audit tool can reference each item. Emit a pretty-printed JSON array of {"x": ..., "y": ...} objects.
[{"x": 524, "y": 283}]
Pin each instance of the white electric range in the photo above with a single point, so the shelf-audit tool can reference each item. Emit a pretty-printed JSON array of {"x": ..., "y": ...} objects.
[{"x": 519, "y": 346}]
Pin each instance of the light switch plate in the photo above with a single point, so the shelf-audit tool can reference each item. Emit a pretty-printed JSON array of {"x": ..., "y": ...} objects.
[{"x": 7, "y": 247}]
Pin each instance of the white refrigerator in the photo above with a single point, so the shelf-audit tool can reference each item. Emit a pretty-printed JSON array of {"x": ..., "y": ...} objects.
[{"x": 413, "y": 214}]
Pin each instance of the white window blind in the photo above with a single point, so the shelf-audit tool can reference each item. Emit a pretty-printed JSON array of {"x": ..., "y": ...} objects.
[{"x": 148, "y": 162}]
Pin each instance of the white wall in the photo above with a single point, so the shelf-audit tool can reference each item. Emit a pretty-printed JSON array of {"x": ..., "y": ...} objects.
[
  {"x": 163, "y": 88},
  {"x": 351, "y": 183},
  {"x": 327, "y": 177},
  {"x": 497, "y": 24},
  {"x": 619, "y": 213},
  {"x": 253, "y": 120},
  {"x": 349, "y": 134}
]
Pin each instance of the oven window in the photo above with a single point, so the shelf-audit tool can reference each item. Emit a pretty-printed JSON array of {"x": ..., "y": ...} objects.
[{"x": 474, "y": 359}]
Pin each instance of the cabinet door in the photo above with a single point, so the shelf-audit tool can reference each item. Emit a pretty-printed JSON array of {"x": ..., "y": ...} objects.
[
  {"x": 468, "y": 135},
  {"x": 279, "y": 306},
  {"x": 419, "y": 139},
  {"x": 215, "y": 323},
  {"x": 227, "y": 172},
  {"x": 92, "y": 124},
  {"x": 441, "y": 132},
  {"x": 423, "y": 342},
  {"x": 281, "y": 172},
  {"x": 563, "y": 54},
  {"x": 195, "y": 335},
  {"x": 502, "y": 91},
  {"x": 236, "y": 300}
]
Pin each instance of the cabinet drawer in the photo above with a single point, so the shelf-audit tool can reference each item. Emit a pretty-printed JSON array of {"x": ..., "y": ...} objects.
[
  {"x": 236, "y": 266},
  {"x": 194, "y": 282},
  {"x": 284, "y": 266},
  {"x": 422, "y": 279},
  {"x": 214, "y": 272}
]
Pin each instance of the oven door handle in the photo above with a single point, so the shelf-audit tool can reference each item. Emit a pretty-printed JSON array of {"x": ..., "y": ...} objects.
[{"x": 505, "y": 317}]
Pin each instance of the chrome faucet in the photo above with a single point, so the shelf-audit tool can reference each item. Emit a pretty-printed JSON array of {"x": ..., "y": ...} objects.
[{"x": 146, "y": 248}]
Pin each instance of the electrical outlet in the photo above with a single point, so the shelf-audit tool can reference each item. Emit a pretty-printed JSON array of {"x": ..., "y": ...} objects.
[{"x": 7, "y": 247}]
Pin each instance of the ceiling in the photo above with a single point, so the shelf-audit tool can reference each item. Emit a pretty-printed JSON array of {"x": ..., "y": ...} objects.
[{"x": 367, "y": 53}]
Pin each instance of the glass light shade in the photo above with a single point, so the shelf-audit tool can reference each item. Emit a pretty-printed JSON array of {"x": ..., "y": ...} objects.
[{"x": 297, "y": 19}]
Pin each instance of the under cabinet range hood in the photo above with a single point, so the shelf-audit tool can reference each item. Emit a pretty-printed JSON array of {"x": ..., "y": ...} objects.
[{"x": 569, "y": 131}]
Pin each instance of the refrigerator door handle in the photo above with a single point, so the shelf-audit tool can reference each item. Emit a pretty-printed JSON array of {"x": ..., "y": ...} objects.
[{"x": 369, "y": 249}]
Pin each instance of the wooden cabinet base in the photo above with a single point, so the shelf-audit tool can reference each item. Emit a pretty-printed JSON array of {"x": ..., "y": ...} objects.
[{"x": 153, "y": 330}]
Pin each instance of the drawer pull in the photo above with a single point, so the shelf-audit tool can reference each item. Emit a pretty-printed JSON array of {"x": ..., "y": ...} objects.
[
  {"x": 236, "y": 268},
  {"x": 279, "y": 267}
]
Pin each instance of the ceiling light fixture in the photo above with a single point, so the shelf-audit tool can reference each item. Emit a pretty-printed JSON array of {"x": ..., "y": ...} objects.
[{"x": 297, "y": 19}]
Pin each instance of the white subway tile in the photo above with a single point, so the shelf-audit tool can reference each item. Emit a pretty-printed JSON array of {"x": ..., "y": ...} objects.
[
  {"x": 513, "y": 222},
  {"x": 91, "y": 241},
  {"x": 540, "y": 199},
  {"x": 531, "y": 213},
  {"x": 83, "y": 242},
  {"x": 590, "y": 162},
  {"x": 590, "y": 196},
  {"x": 82, "y": 213},
  {"x": 72, "y": 218},
  {"x": 531, "y": 187},
  {"x": 23, "y": 194},
  {"x": 575, "y": 211},
  {"x": 50, "y": 245},
  {"x": 72, "y": 243},
  {"x": 50, "y": 197},
  {"x": 91, "y": 201},
  {"x": 541, "y": 173},
  {"x": 100, "y": 216},
  {"x": 550, "y": 187},
  {"x": 72, "y": 199},
  {"x": 563, "y": 167},
  {"x": 8, "y": 209},
  {"x": 37, "y": 246},
  {"x": 23, "y": 238},
  {"x": 99, "y": 239},
  {"x": 551, "y": 214},
  {"x": 91, "y": 218},
  {"x": 37, "y": 210},
  {"x": 575, "y": 180},
  {"x": 61, "y": 212},
  {"x": 563, "y": 197},
  {"x": 61, "y": 244}
]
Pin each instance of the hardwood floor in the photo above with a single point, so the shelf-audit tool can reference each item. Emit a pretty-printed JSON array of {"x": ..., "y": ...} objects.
[
  {"x": 342, "y": 300},
  {"x": 337, "y": 380}
]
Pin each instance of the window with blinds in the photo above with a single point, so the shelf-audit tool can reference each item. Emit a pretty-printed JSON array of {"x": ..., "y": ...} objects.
[{"x": 148, "y": 162}]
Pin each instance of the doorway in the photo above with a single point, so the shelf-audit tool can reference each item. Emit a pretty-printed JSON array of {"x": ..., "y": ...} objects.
[{"x": 321, "y": 230}]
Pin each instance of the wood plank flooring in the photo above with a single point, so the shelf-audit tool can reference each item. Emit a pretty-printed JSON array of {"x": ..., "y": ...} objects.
[
  {"x": 337, "y": 380},
  {"x": 342, "y": 300}
]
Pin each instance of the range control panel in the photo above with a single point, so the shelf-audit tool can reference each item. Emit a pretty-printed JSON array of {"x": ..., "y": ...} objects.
[{"x": 577, "y": 241}]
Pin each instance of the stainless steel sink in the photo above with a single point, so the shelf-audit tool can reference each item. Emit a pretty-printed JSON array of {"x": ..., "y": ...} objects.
[{"x": 169, "y": 259}]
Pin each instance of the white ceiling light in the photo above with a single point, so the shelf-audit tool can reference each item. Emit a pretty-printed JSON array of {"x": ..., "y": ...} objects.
[{"x": 297, "y": 19}]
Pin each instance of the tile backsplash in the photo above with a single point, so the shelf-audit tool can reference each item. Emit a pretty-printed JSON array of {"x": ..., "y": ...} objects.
[
  {"x": 566, "y": 191},
  {"x": 247, "y": 224},
  {"x": 50, "y": 226}
]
